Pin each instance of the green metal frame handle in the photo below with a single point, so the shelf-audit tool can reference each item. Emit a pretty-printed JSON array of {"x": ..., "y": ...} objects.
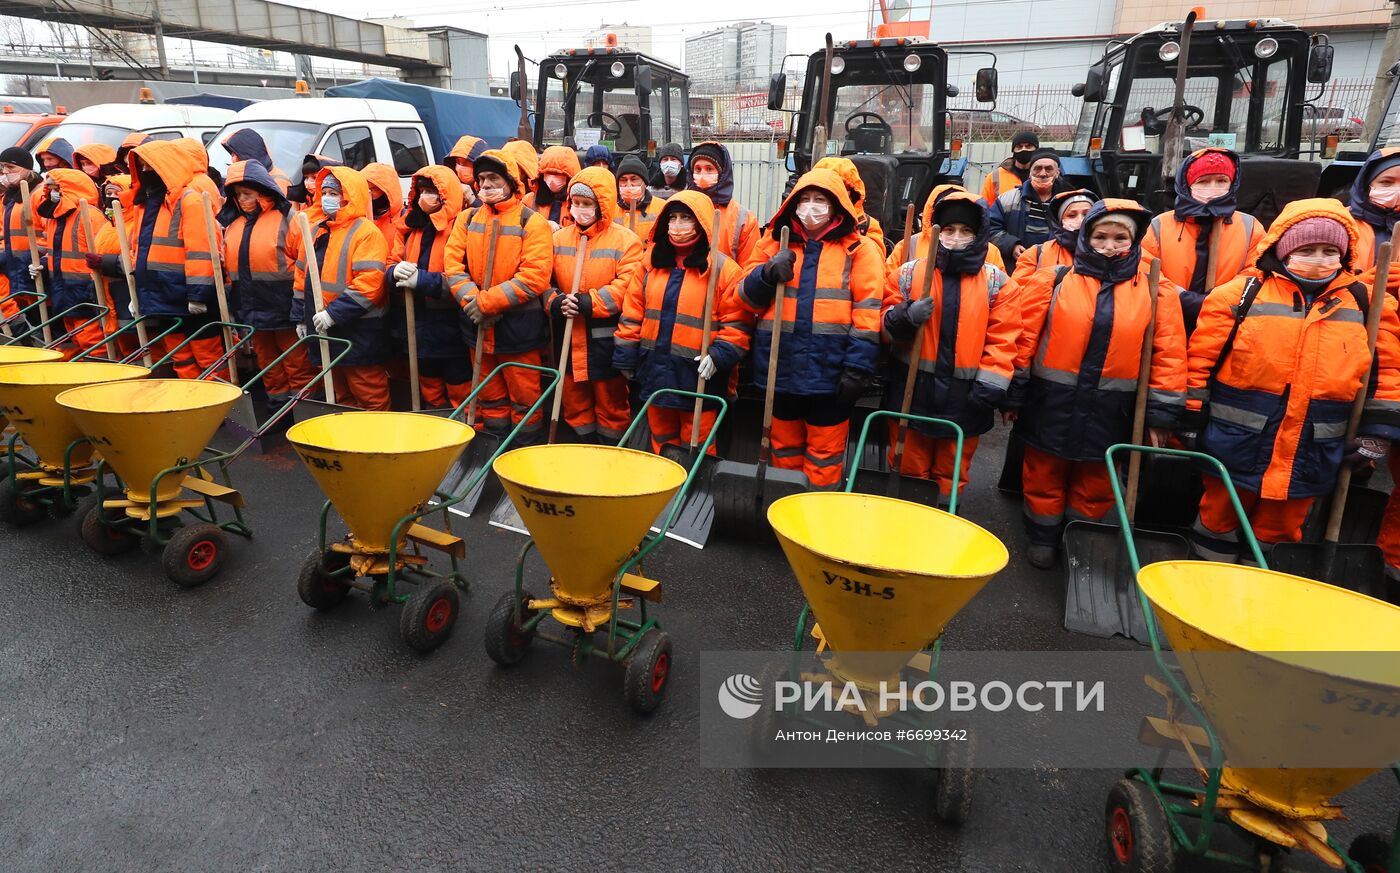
[
  {"x": 130, "y": 327},
  {"x": 909, "y": 416},
  {"x": 40, "y": 299},
  {"x": 58, "y": 319},
  {"x": 243, "y": 339}
]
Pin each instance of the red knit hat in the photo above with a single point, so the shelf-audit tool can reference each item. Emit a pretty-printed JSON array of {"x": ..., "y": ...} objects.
[
  {"x": 1317, "y": 229},
  {"x": 1208, "y": 164}
]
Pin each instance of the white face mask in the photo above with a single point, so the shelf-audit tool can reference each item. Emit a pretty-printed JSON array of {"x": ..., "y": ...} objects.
[
  {"x": 814, "y": 214},
  {"x": 954, "y": 242},
  {"x": 1205, "y": 192},
  {"x": 1385, "y": 198},
  {"x": 584, "y": 216},
  {"x": 1073, "y": 223},
  {"x": 671, "y": 169},
  {"x": 492, "y": 193},
  {"x": 555, "y": 182}
]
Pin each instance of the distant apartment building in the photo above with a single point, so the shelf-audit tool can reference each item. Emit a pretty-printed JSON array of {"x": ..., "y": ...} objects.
[
  {"x": 736, "y": 57},
  {"x": 629, "y": 36}
]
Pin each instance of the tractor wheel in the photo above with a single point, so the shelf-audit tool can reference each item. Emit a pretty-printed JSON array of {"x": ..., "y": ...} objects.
[
  {"x": 429, "y": 616},
  {"x": 506, "y": 643},
  {"x": 315, "y": 584},
  {"x": 195, "y": 554},
  {"x": 648, "y": 670},
  {"x": 1139, "y": 837}
]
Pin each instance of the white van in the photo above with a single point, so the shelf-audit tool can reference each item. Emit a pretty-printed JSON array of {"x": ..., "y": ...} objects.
[
  {"x": 351, "y": 130},
  {"x": 111, "y": 123}
]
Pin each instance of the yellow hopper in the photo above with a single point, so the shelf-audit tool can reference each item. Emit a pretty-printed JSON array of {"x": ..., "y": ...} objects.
[
  {"x": 28, "y": 397},
  {"x": 378, "y": 470},
  {"x": 589, "y": 510},
  {"x": 25, "y": 355},
  {"x": 879, "y": 594},
  {"x": 1264, "y": 655}
]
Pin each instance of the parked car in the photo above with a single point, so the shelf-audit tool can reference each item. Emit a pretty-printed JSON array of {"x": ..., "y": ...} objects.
[
  {"x": 975, "y": 124},
  {"x": 1333, "y": 121},
  {"x": 25, "y": 129}
]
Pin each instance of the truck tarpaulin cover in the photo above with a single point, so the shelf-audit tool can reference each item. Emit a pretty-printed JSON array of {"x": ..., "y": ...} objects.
[
  {"x": 217, "y": 101},
  {"x": 446, "y": 114}
]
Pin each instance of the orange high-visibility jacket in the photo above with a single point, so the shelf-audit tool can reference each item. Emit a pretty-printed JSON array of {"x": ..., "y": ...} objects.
[
  {"x": 1276, "y": 413},
  {"x": 1041, "y": 256},
  {"x": 611, "y": 270},
  {"x": 1079, "y": 355},
  {"x": 999, "y": 181},
  {"x": 257, "y": 256},
  {"x": 168, "y": 235},
  {"x": 831, "y": 309},
  {"x": 69, "y": 279},
  {"x": 16, "y": 287},
  {"x": 855, "y": 189},
  {"x": 520, "y": 273},
  {"x": 661, "y": 330},
  {"x": 1174, "y": 242},
  {"x": 908, "y": 249},
  {"x": 422, "y": 240},
  {"x": 350, "y": 253}
]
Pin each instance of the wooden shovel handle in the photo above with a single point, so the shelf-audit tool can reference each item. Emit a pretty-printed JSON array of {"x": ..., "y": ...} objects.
[
  {"x": 765, "y": 444},
  {"x": 708, "y": 324},
  {"x": 313, "y": 278},
  {"x": 915, "y": 348},
  {"x": 220, "y": 293},
  {"x": 567, "y": 346},
  {"x": 1149, "y": 335}
]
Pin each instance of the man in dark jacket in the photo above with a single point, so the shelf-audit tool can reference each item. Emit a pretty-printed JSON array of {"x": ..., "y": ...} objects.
[{"x": 669, "y": 176}]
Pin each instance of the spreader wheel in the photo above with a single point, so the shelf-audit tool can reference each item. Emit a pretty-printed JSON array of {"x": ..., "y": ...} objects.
[
  {"x": 506, "y": 642},
  {"x": 195, "y": 554},
  {"x": 768, "y": 720},
  {"x": 317, "y": 587},
  {"x": 1139, "y": 837},
  {"x": 1371, "y": 851},
  {"x": 648, "y": 670},
  {"x": 429, "y": 615},
  {"x": 101, "y": 537},
  {"x": 16, "y": 507},
  {"x": 956, "y": 779}
]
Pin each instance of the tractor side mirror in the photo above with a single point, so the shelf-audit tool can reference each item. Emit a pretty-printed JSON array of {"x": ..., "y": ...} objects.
[
  {"x": 1077, "y": 90},
  {"x": 515, "y": 86},
  {"x": 1095, "y": 88},
  {"x": 987, "y": 85},
  {"x": 777, "y": 90},
  {"x": 952, "y": 91},
  {"x": 1320, "y": 64},
  {"x": 642, "y": 77}
]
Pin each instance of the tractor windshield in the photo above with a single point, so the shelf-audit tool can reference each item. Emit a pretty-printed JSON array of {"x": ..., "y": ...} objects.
[
  {"x": 1236, "y": 94},
  {"x": 883, "y": 108},
  {"x": 594, "y": 100}
]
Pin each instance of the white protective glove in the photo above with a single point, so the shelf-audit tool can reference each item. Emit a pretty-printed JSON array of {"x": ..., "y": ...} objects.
[
  {"x": 301, "y": 331},
  {"x": 409, "y": 282},
  {"x": 404, "y": 269},
  {"x": 322, "y": 321},
  {"x": 197, "y": 308},
  {"x": 706, "y": 366},
  {"x": 35, "y": 270}
]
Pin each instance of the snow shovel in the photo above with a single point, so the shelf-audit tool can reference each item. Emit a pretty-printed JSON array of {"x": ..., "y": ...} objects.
[
  {"x": 894, "y": 483},
  {"x": 241, "y": 418},
  {"x": 743, "y": 492},
  {"x": 1101, "y": 597},
  {"x": 505, "y": 515},
  {"x": 26, "y": 215},
  {"x": 696, "y": 517},
  {"x": 1356, "y": 566},
  {"x": 119, "y": 224},
  {"x": 310, "y": 407},
  {"x": 102, "y": 298},
  {"x": 478, "y": 453},
  {"x": 1012, "y": 464}
]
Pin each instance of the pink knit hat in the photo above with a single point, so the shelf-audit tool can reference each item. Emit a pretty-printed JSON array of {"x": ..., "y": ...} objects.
[{"x": 1313, "y": 230}]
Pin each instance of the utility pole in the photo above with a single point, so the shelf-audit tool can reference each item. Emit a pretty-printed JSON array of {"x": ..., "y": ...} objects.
[
  {"x": 1380, "y": 91},
  {"x": 160, "y": 42}
]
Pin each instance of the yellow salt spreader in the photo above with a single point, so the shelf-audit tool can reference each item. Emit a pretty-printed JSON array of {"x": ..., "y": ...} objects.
[
  {"x": 172, "y": 492},
  {"x": 379, "y": 471},
  {"x": 1273, "y": 674},
  {"x": 57, "y": 466},
  {"x": 878, "y": 601},
  {"x": 590, "y": 510}
]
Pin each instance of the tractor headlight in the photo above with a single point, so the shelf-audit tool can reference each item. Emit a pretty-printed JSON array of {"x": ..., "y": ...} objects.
[
  {"x": 1266, "y": 48},
  {"x": 617, "y": 69},
  {"x": 912, "y": 63},
  {"x": 1169, "y": 51},
  {"x": 560, "y": 71},
  {"x": 838, "y": 65}
]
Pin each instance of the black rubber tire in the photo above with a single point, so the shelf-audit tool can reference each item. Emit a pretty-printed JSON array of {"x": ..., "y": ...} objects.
[
  {"x": 648, "y": 672},
  {"x": 429, "y": 616},
  {"x": 1371, "y": 851},
  {"x": 506, "y": 643},
  {"x": 195, "y": 554},
  {"x": 102, "y": 538},
  {"x": 17, "y": 510},
  {"x": 1139, "y": 838},
  {"x": 315, "y": 585},
  {"x": 956, "y": 779}
]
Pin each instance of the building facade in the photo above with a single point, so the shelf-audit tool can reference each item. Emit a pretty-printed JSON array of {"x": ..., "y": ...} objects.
[{"x": 736, "y": 57}]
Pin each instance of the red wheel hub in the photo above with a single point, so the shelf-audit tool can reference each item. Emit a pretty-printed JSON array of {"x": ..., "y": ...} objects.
[
  {"x": 1120, "y": 833},
  {"x": 659, "y": 671},
  {"x": 201, "y": 555},
  {"x": 439, "y": 614}
]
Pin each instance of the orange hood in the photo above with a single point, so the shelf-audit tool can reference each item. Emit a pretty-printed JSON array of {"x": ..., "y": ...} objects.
[
  {"x": 174, "y": 164},
  {"x": 560, "y": 159},
  {"x": 449, "y": 188},
  {"x": 1314, "y": 207},
  {"x": 695, "y": 201},
  {"x": 604, "y": 188},
  {"x": 354, "y": 194},
  {"x": 850, "y": 177},
  {"x": 829, "y": 183},
  {"x": 385, "y": 179},
  {"x": 73, "y": 186},
  {"x": 527, "y": 160},
  {"x": 99, "y": 153}
]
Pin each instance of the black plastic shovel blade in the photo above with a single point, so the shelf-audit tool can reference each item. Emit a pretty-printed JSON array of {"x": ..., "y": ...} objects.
[
  {"x": 506, "y": 517},
  {"x": 469, "y": 465},
  {"x": 742, "y": 495},
  {"x": 1353, "y": 566},
  {"x": 1011, "y": 466},
  {"x": 910, "y": 488},
  {"x": 1170, "y": 492},
  {"x": 1361, "y": 522},
  {"x": 696, "y": 517},
  {"x": 1101, "y": 593}
]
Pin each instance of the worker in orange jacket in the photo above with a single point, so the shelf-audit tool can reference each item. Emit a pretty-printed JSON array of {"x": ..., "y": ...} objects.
[
  {"x": 1077, "y": 371},
  {"x": 549, "y": 196},
  {"x": 386, "y": 198},
  {"x": 418, "y": 266},
  {"x": 1067, "y": 211},
  {"x": 350, "y": 252},
  {"x": 246, "y": 144},
  {"x": 638, "y": 208},
  {"x": 712, "y": 174},
  {"x": 66, "y": 273},
  {"x": 855, "y": 190},
  {"x": 168, "y": 236},
  {"x": 461, "y": 160},
  {"x": 16, "y": 286},
  {"x": 595, "y": 394},
  {"x": 504, "y": 306},
  {"x": 836, "y": 283},
  {"x": 660, "y": 333},
  {"x": 1275, "y": 363},
  {"x": 1014, "y": 171},
  {"x": 968, "y": 328},
  {"x": 1205, "y": 214},
  {"x": 200, "y": 180},
  {"x": 261, "y": 273},
  {"x": 97, "y": 160},
  {"x": 527, "y": 163},
  {"x": 911, "y": 247}
]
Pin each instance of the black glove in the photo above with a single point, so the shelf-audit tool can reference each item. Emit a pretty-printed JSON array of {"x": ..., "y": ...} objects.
[
  {"x": 1189, "y": 439},
  {"x": 779, "y": 267},
  {"x": 853, "y": 384},
  {"x": 1364, "y": 451}
]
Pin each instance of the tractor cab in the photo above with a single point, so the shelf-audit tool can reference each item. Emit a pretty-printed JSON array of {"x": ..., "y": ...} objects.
[
  {"x": 622, "y": 99},
  {"x": 1338, "y": 176},
  {"x": 1242, "y": 86},
  {"x": 885, "y": 103}
]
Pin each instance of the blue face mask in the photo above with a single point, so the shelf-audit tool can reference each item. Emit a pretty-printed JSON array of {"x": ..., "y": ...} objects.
[{"x": 330, "y": 205}]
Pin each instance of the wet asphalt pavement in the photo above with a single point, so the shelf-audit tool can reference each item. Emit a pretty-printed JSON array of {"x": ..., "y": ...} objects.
[{"x": 231, "y": 728}]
